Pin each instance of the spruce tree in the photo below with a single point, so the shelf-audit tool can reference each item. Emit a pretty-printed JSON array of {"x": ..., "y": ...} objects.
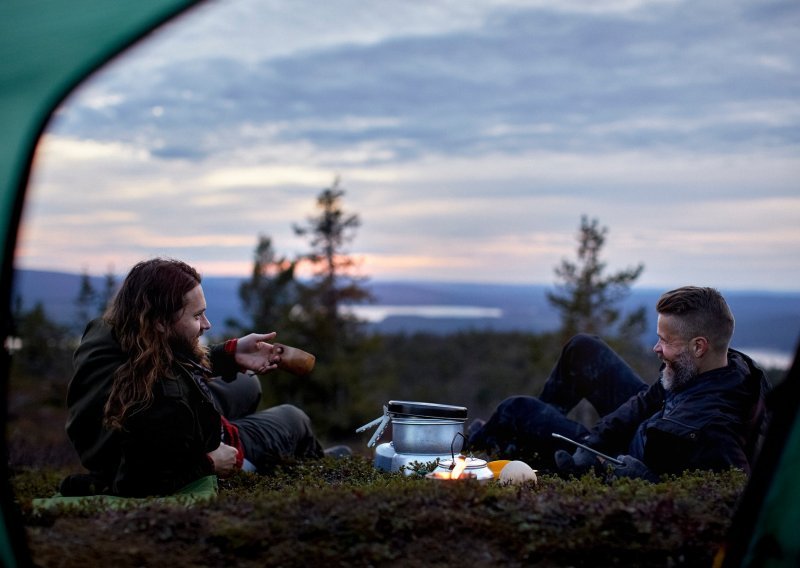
[{"x": 587, "y": 299}]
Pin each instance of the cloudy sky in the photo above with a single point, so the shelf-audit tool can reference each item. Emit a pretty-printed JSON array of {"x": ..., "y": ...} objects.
[{"x": 470, "y": 137}]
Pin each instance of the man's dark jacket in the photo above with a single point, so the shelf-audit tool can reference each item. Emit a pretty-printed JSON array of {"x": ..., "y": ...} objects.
[
  {"x": 714, "y": 423},
  {"x": 163, "y": 445}
]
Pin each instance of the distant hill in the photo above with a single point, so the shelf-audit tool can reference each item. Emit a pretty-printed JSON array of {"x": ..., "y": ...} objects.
[
  {"x": 764, "y": 320},
  {"x": 58, "y": 291}
]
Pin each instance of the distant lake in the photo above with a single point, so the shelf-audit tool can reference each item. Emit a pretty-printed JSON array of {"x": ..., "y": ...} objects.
[
  {"x": 768, "y": 358},
  {"x": 376, "y": 314}
]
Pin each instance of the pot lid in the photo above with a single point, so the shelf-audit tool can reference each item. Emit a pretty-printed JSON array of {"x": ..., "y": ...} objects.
[
  {"x": 472, "y": 463},
  {"x": 427, "y": 409}
]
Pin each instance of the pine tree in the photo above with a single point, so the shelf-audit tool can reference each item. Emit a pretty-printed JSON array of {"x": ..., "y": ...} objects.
[
  {"x": 90, "y": 303},
  {"x": 334, "y": 283},
  {"x": 109, "y": 289},
  {"x": 271, "y": 292},
  {"x": 336, "y": 393},
  {"x": 587, "y": 298},
  {"x": 85, "y": 302}
]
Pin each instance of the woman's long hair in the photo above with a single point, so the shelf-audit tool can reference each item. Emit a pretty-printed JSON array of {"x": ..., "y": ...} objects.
[{"x": 142, "y": 316}]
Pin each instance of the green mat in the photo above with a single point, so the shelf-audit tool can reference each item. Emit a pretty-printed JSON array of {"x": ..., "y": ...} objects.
[{"x": 198, "y": 491}]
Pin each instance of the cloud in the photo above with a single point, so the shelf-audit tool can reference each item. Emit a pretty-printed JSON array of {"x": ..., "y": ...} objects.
[
  {"x": 264, "y": 176},
  {"x": 565, "y": 76},
  {"x": 470, "y": 138}
]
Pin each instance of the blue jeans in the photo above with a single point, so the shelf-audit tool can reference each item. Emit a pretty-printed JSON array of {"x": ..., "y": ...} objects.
[{"x": 522, "y": 426}]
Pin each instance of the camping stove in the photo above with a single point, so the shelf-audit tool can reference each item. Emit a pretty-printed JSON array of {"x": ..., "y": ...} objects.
[
  {"x": 421, "y": 432},
  {"x": 387, "y": 459}
]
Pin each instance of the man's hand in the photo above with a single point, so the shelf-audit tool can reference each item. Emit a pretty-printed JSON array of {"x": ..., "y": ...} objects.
[
  {"x": 633, "y": 469},
  {"x": 577, "y": 464},
  {"x": 255, "y": 353},
  {"x": 224, "y": 458}
]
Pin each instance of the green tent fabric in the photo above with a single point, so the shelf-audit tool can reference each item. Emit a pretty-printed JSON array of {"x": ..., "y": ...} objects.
[
  {"x": 198, "y": 491},
  {"x": 774, "y": 542},
  {"x": 762, "y": 532},
  {"x": 46, "y": 48}
]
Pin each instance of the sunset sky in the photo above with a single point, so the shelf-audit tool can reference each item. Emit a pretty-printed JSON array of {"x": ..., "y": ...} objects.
[{"x": 470, "y": 138}]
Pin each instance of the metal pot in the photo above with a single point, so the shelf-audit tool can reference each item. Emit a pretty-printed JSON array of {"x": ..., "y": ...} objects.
[{"x": 426, "y": 428}]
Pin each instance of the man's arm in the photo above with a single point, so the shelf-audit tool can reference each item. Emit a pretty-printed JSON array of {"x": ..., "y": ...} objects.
[
  {"x": 161, "y": 451},
  {"x": 613, "y": 433},
  {"x": 674, "y": 448},
  {"x": 253, "y": 352}
]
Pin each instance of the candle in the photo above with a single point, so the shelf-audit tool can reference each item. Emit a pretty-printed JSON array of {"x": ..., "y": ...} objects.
[{"x": 459, "y": 465}]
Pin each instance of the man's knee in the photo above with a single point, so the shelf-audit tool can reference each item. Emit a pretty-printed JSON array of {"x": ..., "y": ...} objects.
[
  {"x": 249, "y": 387},
  {"x": 239, "y": 397},
  {"x": 520, "y": 405},
  {"x": 584, "y": 345},
  {"x": 292, "y": 414}
]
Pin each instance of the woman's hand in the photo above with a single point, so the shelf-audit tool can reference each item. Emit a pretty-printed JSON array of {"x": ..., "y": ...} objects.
[{"x": 255, "y": 353}]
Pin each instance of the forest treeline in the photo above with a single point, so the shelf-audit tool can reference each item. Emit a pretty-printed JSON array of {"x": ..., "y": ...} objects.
[{"x": 357, "y": 371}]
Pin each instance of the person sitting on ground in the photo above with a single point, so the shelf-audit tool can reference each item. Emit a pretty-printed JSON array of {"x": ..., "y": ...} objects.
[
  {"x": 144, "y": 414},
  {"x": 706, "y": 411}
]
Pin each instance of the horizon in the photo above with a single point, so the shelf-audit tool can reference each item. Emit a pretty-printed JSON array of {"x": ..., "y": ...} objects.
[{"x": 412, "y": 280}]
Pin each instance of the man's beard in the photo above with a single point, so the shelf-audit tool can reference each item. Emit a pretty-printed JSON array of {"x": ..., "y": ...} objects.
[
  {"x": 679, "y": 373},
  {"x": 194, "y": 348}
]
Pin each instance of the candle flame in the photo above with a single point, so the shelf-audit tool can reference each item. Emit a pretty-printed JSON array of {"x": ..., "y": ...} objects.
[{"x": 459, "y": 466}]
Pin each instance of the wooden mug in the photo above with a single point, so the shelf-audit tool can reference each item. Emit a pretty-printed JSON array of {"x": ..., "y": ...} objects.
[{"x": 294, "y": 360}]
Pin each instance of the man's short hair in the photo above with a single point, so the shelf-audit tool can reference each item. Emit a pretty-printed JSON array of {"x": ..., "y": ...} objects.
[{"x": 701, "y": 312}]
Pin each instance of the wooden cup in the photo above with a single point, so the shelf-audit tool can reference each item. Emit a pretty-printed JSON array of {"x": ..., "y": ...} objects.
[{"x": 294, "y": 360}]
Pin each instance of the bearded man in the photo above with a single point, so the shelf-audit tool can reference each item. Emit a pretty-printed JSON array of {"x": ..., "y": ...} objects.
[
  {"x": 706, "y": 411},
  {"x": 150, "y": 410}
]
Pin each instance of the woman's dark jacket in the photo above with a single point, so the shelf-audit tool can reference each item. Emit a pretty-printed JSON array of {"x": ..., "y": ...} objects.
[
  {"x": 713, "y": 424},
  {"x": 162, "y": 446}
]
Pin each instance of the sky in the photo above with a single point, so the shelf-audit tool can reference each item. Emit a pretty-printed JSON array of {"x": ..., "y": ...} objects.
[{"x": 469, "y": 137}]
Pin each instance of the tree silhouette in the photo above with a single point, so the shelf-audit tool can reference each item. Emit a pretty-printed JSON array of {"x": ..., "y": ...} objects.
[
  {"x": 46, "y": 347},
  {"x": 334, "y": 282},
  {"x": 89, "y": 302},
  {"x": 109, "y": 289},
  {"x": 85, "y": 302},
  {"x": 271, "y": 292},
  {"x": 335, "y": 393},
  {"x": 311, "y": 314},
  {"x": 587, "y": 298}
]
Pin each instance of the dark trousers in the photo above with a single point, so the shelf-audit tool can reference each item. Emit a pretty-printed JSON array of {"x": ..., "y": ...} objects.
[
  {"x": 269, "y": 436},
  {"x": 522, "y": 426}
]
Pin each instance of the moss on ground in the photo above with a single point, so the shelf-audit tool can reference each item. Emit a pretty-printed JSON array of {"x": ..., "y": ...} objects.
[{"x": 345, "y": 513}]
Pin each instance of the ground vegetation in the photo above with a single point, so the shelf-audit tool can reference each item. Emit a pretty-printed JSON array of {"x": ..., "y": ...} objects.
[{"x": 346, "y": 513}]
